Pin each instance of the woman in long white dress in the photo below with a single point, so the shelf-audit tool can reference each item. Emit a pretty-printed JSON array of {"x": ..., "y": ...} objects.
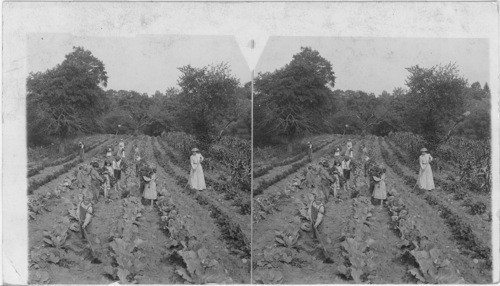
[
  {"x": 196, "y": 177},
  {"x": 425, "y": 177}
]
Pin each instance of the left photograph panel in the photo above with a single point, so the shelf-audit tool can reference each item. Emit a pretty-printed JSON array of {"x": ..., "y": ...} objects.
[{"x": 139, "y": 160}]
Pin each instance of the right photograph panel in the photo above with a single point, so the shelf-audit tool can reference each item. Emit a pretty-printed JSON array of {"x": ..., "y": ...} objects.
[{"x": 371, "y": 161}]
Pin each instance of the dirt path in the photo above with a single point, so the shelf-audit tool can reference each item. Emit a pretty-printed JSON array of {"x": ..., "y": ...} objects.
[
  {"x": 50, "y": 170},
  {"x": 78, "y": 269},
  {"x": 52, "y": 184},
  {"x": 336, "y": 225},
  {"x": 261, "y": 160},
  {"x": 432, "y": 225},
  {"x": 480, "y": 224},
  {"x": 200, "y": 223},
  {"x": 280, "y": 169},
  {"x": 325, "y": 151},
  {"x": 217, "y": 199}
]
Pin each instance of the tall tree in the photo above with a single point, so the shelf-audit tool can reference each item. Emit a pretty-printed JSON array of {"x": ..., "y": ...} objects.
[
  {"x": 207, "y": 97},
  {"x": 71, "y": 95},
  {"x": 486, "y": 89},
  {"x": 435, "y": 98},
  {"x": 366, "y": 108},
  {"x": 293, "y": 98}
]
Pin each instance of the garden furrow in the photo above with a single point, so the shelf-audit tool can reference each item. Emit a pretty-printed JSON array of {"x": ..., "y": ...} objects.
[
  {"x": 216, "y": 199},
  {"x": 200, "y": 219},
  {"x": 430, "y": 222}
]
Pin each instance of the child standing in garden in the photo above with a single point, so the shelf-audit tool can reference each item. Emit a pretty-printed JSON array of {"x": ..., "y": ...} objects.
[
  {"x": 81, "y": 150},
  {"x": 325, "y": 180},
  {"x": 346, "y": 169},
  {"x": 309, "y": 151},
  {"x": 336, "y": 183},
  {"x": 340, "y": 172},
  {"x": 349, "y": 152},
  {"x": 150, "y": 192},
  {"x": 80, "y": 178},
  {"x": 137, "y": 158},
  {"x": 108, "y": 178},
  {"x": 380, "y": 189},
  {"x": 117, "y": 171},
  {"x": 121, "y": 149},
  {"x": 95, "y": 181},
  {"x": 84, "y": 212},
  {"x": 316, "y": 212},
  {"x": 337, "y": 157}
]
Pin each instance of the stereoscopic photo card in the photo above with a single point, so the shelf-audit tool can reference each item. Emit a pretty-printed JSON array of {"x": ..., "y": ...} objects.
[{"x": 250, "y": 143}]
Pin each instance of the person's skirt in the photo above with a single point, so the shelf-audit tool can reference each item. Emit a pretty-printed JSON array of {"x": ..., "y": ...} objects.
[
  {"x": 380, "y": 191},
  {"x": 150, "y": 191},
  {"x": 197, "y": 179},
  {"x": 425, "y": 179}
]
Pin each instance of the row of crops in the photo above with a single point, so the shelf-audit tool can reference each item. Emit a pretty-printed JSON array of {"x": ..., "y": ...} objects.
[
  {"x": 462, "y": 230},
  {"x": 424, "y": 261},
  {"x": 60, "y": 248},
  {"x": 125, "y": 253},
  {"x": 471, "y": 157},
  {"x": 221, "y": 197}
]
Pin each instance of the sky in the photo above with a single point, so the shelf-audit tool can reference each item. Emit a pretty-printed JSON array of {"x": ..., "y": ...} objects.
[
  {"x": 148, "y": 63},
  {"x": 378, "y": 64},
  {"x": 144, "y": 63}
]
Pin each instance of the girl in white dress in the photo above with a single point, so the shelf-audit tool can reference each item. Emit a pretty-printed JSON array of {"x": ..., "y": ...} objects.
[
  {"x": 196, "y": 177},
  {"x": 380, "y": 190},
  {"x": 425, "y": 177},
  {"x": 150, "y": 189}
]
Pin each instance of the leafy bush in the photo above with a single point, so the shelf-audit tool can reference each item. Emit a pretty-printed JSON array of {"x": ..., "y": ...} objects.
[
  {"x": 267, "y": 276},
  {"x": 475, "y": 208},
  {"x": 200, "y": 268},
  {"x": 288, "y": 237},
  {"x": 181, "y": 141},
  {"x": 264, "y": 170}
]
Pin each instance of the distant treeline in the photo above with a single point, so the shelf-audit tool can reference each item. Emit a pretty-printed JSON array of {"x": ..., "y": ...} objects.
[
  {"x": 300, "y": 99},
  {"x": 70, "y": 99}
]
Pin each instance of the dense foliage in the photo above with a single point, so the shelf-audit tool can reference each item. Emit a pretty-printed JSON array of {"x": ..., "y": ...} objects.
[
  {"x": 436, "y": 104},
  {"x": 70, "y": 99},
  {"x": 292, "y": 100},
  {"x": 66, "y": 99}
]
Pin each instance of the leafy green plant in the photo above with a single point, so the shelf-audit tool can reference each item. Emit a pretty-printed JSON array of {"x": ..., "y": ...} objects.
[
  {"x": 267, "y": 276},
  {"x": 289, "y": 236},
  {"x": 39, "y": 258},
  {"x": 359, "y": 260},
  {"x": 38, "y": 277},
  {"x": 200, "y": 268},
  {"x": 475, "y": 208},
  {"x": 433, "y": 268},
  {"x": 57, "y": 237},
  {"x": 36, "y": 205},
  {"x": 127, "y": 259},
  {"x": 272, "y": 256},
  {"x": 306, "y": 223}
]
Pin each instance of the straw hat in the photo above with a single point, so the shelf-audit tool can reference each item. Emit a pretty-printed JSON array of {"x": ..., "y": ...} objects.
[
  {"x": 195, "y": 150},
  {"x": 423, "y": 150}
]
